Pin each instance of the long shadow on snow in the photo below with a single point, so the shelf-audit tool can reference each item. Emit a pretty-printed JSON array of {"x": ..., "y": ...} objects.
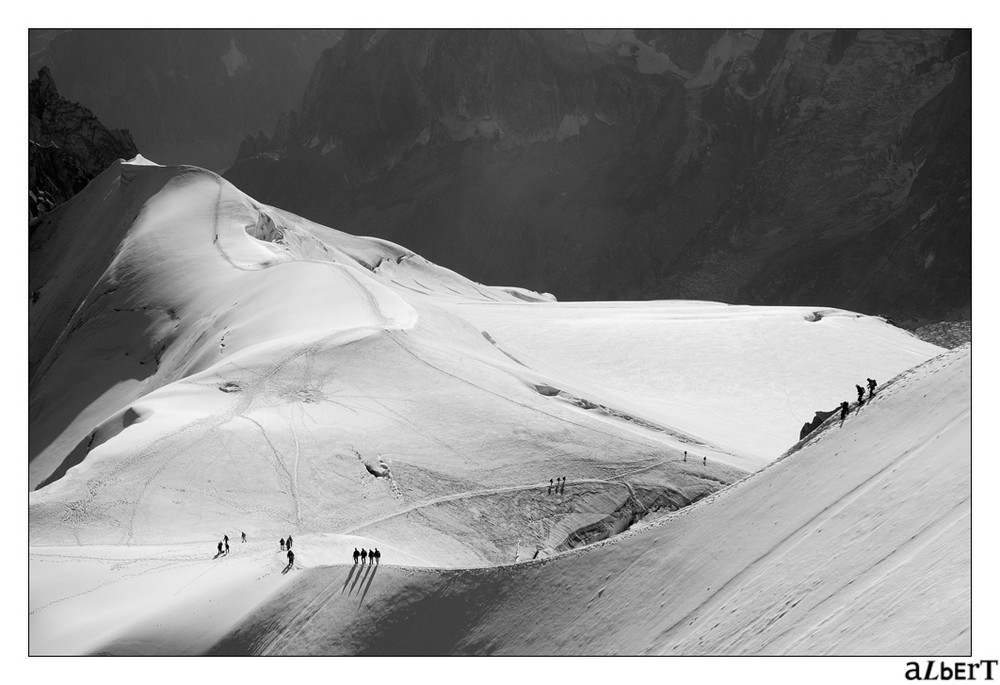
[
  {"x": 361, "y": 577},
  {"x": 365, "y": 591},
  {"x": 350, "y": 574}
]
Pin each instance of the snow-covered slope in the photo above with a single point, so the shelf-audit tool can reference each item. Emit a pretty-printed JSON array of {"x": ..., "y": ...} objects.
[
  {"x": 859, "y": 543},
  {"x": 739, "y": 377},
  {"x": 203, "y": 364}
]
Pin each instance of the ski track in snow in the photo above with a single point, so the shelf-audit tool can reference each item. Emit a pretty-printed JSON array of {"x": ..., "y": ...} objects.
[
  {"x": 402, "y": 419},
  {"x": 280, "y": 463},
  {"x": 647, "y": 445},
  {"x": 112, "y": 489},
  {"x": 869, "y": 579},
  {"x": 171, "y": 564},
  {"x": 297, "y": 623},
  {"x": 471, "y": 494},
  {"x": 295, "y": 472},
  {"x": 215, "y": 232},
  {"x": 662, "y": 461},
  {"x": 695, "y": 622},
  {"x": 187, "y": 433}
]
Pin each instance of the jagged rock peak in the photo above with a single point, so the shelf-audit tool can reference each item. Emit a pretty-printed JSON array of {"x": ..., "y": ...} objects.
[{"x": 67, "y": 145}]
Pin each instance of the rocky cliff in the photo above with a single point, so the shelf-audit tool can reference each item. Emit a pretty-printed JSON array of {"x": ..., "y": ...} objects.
[
  {"x": 187, "y": 96},
  {"x": 777, "y": 166},
  {"x": 67, "y": 146}
]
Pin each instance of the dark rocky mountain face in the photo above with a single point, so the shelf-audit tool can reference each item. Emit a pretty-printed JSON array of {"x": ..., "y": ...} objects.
[
  {"x": 187, "y": 96},
  {"x": 67, "y": 146},
  {"x": 774, "y": 167}
]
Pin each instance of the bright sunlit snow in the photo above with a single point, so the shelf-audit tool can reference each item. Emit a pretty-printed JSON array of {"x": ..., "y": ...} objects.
[{"x": 214, "y": 366}]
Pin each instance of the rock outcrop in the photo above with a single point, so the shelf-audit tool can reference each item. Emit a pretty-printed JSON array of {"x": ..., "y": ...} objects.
[
  {"x": 948, "y": 334},
  {"x": 187, "y": 96},
  {"x": 778, "y": 166},
  {"x": 809, "y": 426},
  {"x": 67, "y": 146}
]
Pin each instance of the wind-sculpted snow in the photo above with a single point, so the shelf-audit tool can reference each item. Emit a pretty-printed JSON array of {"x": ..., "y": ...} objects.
[
  {"x": 189, "y": 288},
  {"x": 202, "y": 364},
  {"x": 738, "y": 377},
  {"x": 858, "y": 544}
]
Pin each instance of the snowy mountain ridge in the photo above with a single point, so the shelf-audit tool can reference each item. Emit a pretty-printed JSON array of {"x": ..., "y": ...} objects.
[
  {"x": 847, "y": 546},
  {"x": 203, "y": 364}
]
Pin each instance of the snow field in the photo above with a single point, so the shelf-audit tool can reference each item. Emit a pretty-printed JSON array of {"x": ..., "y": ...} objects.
[
  {"x": 738, "y": 377},
  {"x": 231, "y": 364},
  {"x": 857, "y": 544}
]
